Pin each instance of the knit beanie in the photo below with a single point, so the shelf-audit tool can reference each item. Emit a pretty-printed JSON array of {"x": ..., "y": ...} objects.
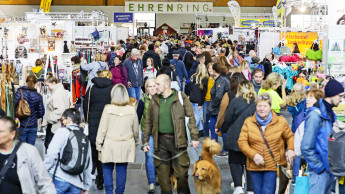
[{"x": 333, "y": 88}]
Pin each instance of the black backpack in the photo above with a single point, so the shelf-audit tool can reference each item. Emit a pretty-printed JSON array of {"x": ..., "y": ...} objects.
[{"x": 75, "y": 157}]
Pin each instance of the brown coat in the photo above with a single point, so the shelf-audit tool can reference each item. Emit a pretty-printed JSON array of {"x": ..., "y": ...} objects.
[
  {"x": 222, "y": 110},
  {"x": 178, "y": 114},
  {"x": 118, "y": 134},
  {"x": 277, "y": 133}
]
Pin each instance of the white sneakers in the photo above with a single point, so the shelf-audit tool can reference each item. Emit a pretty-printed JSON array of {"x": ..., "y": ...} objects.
[
  {"x": 151, "y": 188},
  {"x": 238, "y": 190}
]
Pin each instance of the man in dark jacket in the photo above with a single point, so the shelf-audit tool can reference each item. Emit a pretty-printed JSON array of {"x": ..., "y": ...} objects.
[
  {"x": 134, "y": 67},
  {"x": 267, "y": 64},
  {"x": 182, "y": 50},
  {"x": 152, "y": 54},
  {"x": 180, "y": 68},
  {"x": 169, "y": 134},
  {"x": 189, "y": 57}
]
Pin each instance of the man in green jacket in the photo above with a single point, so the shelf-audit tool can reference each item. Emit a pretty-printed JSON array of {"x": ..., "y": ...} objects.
[{"x": 165, "y": 120}]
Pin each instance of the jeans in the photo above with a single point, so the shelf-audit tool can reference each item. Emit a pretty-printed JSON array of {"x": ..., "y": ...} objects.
[
  {"x": 264, "y": 182},
  {"x": 121, "y": 175},
  {"x": 320, "y": 183},
  {"x": 149, "y": 164},
  {"x": 28, "y": 135},
  {"x": 212, "y": 126},
  {"x": 134, "y": 92},
  {"x": 206, "y": 119},
  {"x": 198, "y": 115},
  {"x": 66, "y": 188}
]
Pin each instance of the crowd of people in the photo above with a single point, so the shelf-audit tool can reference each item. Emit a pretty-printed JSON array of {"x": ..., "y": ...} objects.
[{"x": 176, "y": 90}]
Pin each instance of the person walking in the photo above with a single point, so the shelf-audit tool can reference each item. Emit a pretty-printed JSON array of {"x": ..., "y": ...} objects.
[
  {"x": 239, "y": 109},
  {"x": 180, "y": 68},
  {"x": 165, "y": 120},
  {"x": 152, "y": 54},
  {"x": 134, "y": 68},
  {"x": 28, "y": 128},
  {"x": 25, "y": 174},
  {"x": 209, "y": 83},
  {"x": 150, "y": 72},
  {"x": 119, "y": 72},
  {"x": 150, "y": 88},
  {"x": 98, "y": 65},
  {"x": 265, "y": 139},
  {"x": 116, "y": 146},
  {"x": 57, "y": 103},
  {"x": 318, "y": 126}
]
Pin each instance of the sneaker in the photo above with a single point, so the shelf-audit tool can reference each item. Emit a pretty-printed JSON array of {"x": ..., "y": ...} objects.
[
  {"x": 238, "y": 190},
  {"x": 223, "y": 153},
  {"x": 250, "y": 192},
  {"x": 151, "y": 188}
]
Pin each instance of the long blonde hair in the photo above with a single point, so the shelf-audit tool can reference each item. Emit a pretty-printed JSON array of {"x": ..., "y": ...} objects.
[
  {"x": 100, "y": 57},
  {"x": 298, "y": 93},
  {"x": 200, "y": 74},
  {"x": 119, "y": 95},
  {"x": 246, "y": 90},
  {"x": 272, "y": 80},
  {"x": 243, "y": 65},
  {"x": 105, "y": 74}
]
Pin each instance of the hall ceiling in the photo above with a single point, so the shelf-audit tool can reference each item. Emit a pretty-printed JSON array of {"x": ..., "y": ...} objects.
[{"x": 243, "y": 3}]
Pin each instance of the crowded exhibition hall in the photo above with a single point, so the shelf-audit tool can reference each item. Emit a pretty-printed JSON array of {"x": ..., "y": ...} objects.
[{"x": 252, "y": 95}]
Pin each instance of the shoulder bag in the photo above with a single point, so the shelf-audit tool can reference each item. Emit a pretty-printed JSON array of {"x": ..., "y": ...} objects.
[
  {"x": 85, "y": 124},
  {"x": 9, "y": 162},
  {"x": 23, "y": 107}
]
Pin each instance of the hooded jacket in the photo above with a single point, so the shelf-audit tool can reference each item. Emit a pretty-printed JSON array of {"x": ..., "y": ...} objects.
[
  {"x": 314, "y": 146},
  {"x": 155, "y": 56},
  {"x": 119, "y": 73},
  {"x": 36, "y": 106},
  {"x": 100, "y": 96}
]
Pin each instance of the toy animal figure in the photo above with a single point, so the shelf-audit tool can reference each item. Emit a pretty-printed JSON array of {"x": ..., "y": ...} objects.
[
  {"x": 65, "y": 48},
  {"x": 43, "y": 31},
  {"x": 73, "y": 49}
]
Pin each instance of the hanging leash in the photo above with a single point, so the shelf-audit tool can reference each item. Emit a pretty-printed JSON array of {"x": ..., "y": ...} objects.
[{"x": 166, "y": 160}]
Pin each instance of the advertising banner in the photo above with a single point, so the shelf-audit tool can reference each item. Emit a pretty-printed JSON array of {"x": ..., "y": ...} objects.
[
  {"x": 258, "y": 23},
  {"x": 123, "y": 17},
  {"x": 169, "y": 7},
  {"x": 304, "y": 40},
  {"x": 280, "y": 7},
  {"x": 45, "y": 5}
]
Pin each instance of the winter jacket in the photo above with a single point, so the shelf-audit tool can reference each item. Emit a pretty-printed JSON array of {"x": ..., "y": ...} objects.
[
  {"x": 168, "y": 70},
  {"x": 180, "y": 69},
  {"x": 314, "y": 145},
  {"x": 100, "y": 96},
  {"x": 36, "y": 106},
  {"x": 178, "y": 113},
  {"x": 221, "y": 86},
  {"x": 155, "y": 56},
  {"x": 238, "y": 111},
  {"x": 93, "y": 68},
  {"x": 136, "y": 80},
  {"x": 150, "y": 73},
  {"x": 297, "y": 114},
  {"x": 193, "y": 68},
  {"x": 196, "y": 94},
  {"x": 227, "y": 97},
  {"x": 118, "y": 144},
  {"x": 189, "y": 59},
  {"x": 277, "y": 133},
  {"x": 56, "y": 105},
  {"x": 32, "y": 177},
  {"x": 143, "y": 105},
  {"x": 56, "y": 147},
  {"x": 267, "y": 66},
  {"x": 119, "y": 73}
]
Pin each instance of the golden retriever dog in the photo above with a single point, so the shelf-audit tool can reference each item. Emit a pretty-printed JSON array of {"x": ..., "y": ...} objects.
[{"x": 207, "y": 178}]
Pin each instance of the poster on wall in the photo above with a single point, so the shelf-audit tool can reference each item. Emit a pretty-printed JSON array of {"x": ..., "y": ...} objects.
[
  {"x": 51, "y": 45},
  {"x": 336, "y": 48}
]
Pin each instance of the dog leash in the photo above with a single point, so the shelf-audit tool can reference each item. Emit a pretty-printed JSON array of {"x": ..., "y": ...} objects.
[{"x": 166, "y": 160}]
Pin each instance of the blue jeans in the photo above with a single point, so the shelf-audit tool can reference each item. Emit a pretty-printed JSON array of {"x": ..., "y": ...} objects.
[
  {"x": 28, "y": 135},
  {"x": 206, "y": 119},
  {"x": 66, "y": 188},
  {"x": 198, "y": 115},
  {"x": 264, "y": 182},
  {"x": 150, "y": 166},
  {"x": 134, "y": 92},
  {"x": 121, "y": 175},
  {"x": 320, "y": 183},
  {"x": 212, "y": 126}
]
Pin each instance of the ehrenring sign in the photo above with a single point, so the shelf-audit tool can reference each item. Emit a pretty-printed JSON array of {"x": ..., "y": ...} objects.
[{"x": 169, "y": 7}]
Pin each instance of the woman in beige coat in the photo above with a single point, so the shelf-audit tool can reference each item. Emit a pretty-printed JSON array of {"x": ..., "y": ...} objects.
[{"x": 117, "y": 138}]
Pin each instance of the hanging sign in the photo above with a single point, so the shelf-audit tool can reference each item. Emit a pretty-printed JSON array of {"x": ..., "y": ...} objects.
[
  {"x": 258, "y": 23},
  {"x": 123, "y": 17},
  {"x": 280, "y": 7},
  {"x": 169, "y": 7},
  {"x": 45, "y": 5}
]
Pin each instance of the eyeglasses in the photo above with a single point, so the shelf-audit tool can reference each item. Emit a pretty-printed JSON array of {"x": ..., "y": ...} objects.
[{"x": 263, "y": 97}]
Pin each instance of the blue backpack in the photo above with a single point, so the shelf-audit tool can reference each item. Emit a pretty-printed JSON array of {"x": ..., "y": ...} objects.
[{"x": 112, "y": 58}]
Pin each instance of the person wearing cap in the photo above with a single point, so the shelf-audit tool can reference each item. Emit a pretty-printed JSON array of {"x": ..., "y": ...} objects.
[
  {"x": 314, "y": 146},
  {"x": 180, "y": 68}
]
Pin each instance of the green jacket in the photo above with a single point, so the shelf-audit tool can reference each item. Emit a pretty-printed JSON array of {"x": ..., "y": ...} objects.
[
  {"x": 146, "y": 99},
  {"x": 178, "y": 113}
]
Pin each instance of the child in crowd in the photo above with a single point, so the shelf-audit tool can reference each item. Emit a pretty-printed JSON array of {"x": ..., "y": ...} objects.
[{"x": 244, "y": 68}]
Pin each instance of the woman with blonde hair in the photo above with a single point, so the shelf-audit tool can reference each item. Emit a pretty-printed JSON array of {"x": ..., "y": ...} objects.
[
  {"x": 224, "y": 61},
  {"x": 239, "y": 109},
  {"x": 198, "y": 89},
  {"x": 98, "y": 65},
  {"x": 117, "y": 145},
  {"x": 209, "y": 85},
  {"x": 270, "y": 85},
  {"x": 95, "y": 100},
  {"x": 244, "y": 68}
]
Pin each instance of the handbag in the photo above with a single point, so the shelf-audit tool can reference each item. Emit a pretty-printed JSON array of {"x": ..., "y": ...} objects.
[
  {"x": 23, "y": 108},
  {"x": 9, "y": 162},
  {"x": 302, "y": 184},
  {"x": 282, "y": 175},
  {"x": 85, "y": 125},
  {"x": 174, "y": 84}
]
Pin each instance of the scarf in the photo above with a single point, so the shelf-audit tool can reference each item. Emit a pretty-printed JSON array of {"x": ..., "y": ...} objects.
[
  {"x": 255, "y": 84},
  {"x": 263, "y": 122}
]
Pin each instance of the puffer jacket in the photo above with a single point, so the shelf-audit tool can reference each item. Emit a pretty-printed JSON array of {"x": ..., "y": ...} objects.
[
  {"x": 100, "y": 96},
  {"x": 119, "y": 73},
  {"x": 36, "y": 106},
  {"x": 221, "y": 86},
  {"x": 277, "y": 133},
  {"x": 314, "y": 146},
  {"x": 238, "y": 111},
  {"x": 178, "y": 113}
]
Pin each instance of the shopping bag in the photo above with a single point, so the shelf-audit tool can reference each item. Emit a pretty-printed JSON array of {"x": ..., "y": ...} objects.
[{"x": 302, "y": 185}]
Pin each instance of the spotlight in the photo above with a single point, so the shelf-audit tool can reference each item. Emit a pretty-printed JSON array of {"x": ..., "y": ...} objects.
[{"x": 302, "y": 8}]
